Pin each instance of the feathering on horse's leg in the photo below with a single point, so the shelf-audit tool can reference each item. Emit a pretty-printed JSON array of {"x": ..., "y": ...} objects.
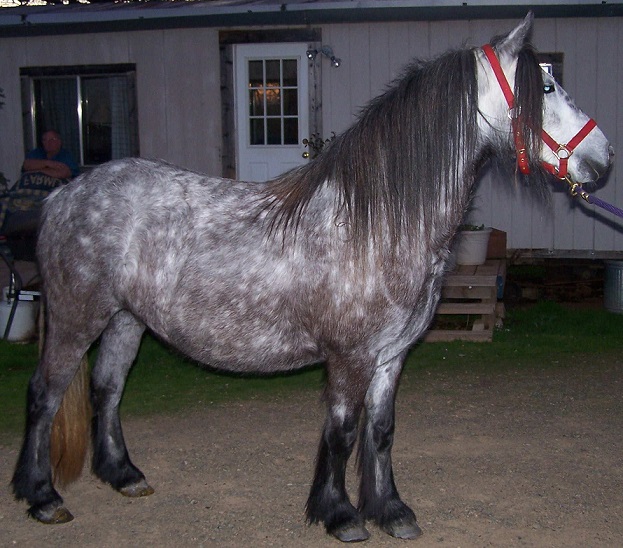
[
  {"x": 118, "y": 348},
  {"x": 378, "y": 496},
  {"x": 328, "y": 500},
  {"x": 61, "y": 360}
]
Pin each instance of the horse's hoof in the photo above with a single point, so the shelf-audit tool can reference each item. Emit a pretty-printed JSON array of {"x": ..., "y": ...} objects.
[
  {"x": 51, "y": 514},
  {"x": 352, "y": 532},
  {"x": 403, "y": 528},
  {"x": 139, "y": 489}
]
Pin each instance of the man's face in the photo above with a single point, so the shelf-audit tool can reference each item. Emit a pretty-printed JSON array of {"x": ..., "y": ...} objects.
[{"x": 51, "y": 143}]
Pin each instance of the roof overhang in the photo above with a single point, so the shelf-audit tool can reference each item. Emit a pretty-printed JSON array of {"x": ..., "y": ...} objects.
[{"x": 109, "y": 17}]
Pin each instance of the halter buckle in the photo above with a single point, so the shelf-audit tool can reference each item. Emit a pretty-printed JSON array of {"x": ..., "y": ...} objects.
[
  {"x": 576, "y": 189},
  {"x": 563, "y": 153}
]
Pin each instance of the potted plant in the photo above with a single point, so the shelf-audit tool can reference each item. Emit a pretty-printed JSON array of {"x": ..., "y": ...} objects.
[
  {"x": 316, "y": 145},
  {"x": 471, "y": 245}
]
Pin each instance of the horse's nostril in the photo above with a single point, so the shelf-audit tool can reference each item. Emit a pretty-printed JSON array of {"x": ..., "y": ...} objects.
[{"x": 611, "y": 152}]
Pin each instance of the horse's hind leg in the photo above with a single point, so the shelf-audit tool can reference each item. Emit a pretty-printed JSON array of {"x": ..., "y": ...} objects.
[
  {"x": 328, "y": 500},
  {"x": 32, "y": 479},
  {"x": 378, "y": 496},
  {"x": 118, "y": 348}
]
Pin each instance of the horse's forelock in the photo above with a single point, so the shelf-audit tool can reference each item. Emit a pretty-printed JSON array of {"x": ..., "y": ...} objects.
[{"x": 529, "y": 102}]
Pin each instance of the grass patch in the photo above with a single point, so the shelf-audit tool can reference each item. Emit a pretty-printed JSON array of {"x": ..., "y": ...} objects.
[
  {"x": 17, "y": 363},
  {"x": 162, "y": 381},
  {"x": 544, "y": 334}
]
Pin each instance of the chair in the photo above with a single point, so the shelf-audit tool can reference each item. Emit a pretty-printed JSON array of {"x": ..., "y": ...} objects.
[
  {"x": 15, "y": 282},
  {"x": 20, "y": 211}
]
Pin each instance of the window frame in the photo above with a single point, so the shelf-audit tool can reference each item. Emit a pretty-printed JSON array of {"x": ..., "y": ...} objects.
[{"x": 33, "y": 125}]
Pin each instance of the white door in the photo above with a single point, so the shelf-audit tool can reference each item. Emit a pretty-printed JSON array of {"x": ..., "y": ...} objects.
[{"x": 272, "y": 108}]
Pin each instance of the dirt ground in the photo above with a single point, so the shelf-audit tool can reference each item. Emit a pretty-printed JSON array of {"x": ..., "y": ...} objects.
[{"x": 506, "y": 459}]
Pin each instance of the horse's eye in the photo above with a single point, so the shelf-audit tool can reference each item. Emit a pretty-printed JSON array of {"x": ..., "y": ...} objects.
[{"x": 549, "y": 88}]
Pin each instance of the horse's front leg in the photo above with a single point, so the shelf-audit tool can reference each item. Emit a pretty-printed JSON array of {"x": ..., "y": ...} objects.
[
  {"x": 378, "y": 496},
  {"x": 328, "y": 500}
]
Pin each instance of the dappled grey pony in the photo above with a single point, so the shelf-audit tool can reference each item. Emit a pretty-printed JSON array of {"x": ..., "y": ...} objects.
[{"x": 339, "y": 261}]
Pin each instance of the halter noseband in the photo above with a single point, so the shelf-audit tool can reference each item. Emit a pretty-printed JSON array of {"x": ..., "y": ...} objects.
[{"x": 562, "y": 152}]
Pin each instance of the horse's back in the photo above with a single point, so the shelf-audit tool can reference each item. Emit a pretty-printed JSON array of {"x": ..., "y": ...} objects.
[{"x": 130, "y": 202}]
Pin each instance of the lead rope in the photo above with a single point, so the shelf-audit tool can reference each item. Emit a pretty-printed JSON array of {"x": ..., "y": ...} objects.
[{"x": 575, "y": 189}]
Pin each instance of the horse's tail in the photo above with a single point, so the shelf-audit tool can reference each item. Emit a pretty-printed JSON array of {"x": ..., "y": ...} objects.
[{"x": 71, "y": 427}]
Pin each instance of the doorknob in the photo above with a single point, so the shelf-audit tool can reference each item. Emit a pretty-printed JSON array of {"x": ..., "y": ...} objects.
[{"x": 305, "y": 154}]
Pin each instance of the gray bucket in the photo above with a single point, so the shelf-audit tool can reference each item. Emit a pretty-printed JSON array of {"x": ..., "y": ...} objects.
[
  {"x": 23, "y": 327},
  {"x": 613, "y": 287}
]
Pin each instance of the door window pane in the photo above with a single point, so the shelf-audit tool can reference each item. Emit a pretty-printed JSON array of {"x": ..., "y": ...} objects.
[
  {"x": 290, "y": 77},
  {"x": 274, "y": 131},
  {"x": 256, "y": 74},
  {"x": 256, "y": 102},
  {"x": 273, "y": 73},
  {"x": 290, "y": 102},
  {"x": 257, "y": 131},
  {"x": 291, "y": 131},
  {"x": 273, "y": 102}
]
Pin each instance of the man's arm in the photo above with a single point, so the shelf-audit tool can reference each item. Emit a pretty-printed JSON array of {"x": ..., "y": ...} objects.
[{"x": 49, "y": 167}]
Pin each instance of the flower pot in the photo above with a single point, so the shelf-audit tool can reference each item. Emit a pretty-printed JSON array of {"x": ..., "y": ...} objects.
[{"x": 471, "y": 246}]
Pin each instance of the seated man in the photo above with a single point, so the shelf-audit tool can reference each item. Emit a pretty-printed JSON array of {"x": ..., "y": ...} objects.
[
  {"x": 44, "y": 169},
  {"x": 51, "y": 158}
]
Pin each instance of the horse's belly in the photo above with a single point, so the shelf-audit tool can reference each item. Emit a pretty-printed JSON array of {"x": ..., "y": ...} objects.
[{"x": 245, "y": 346}]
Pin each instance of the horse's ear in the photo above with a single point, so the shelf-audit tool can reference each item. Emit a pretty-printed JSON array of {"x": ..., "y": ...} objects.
[{"x": 515, "y": 40}]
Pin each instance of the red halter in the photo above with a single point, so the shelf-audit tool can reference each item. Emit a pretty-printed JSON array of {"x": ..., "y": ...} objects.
[{"x": 562, "y": 152}]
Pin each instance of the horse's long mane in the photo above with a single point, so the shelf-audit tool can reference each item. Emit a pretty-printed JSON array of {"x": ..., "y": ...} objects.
[{"x": 410, "y": 154}]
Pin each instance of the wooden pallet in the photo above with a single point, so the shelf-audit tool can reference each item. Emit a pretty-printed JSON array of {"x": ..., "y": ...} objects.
[{"x": 471, "y": 291}]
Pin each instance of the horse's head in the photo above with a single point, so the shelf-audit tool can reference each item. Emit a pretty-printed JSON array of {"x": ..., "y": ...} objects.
[{"x": 523, "y": 105}]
